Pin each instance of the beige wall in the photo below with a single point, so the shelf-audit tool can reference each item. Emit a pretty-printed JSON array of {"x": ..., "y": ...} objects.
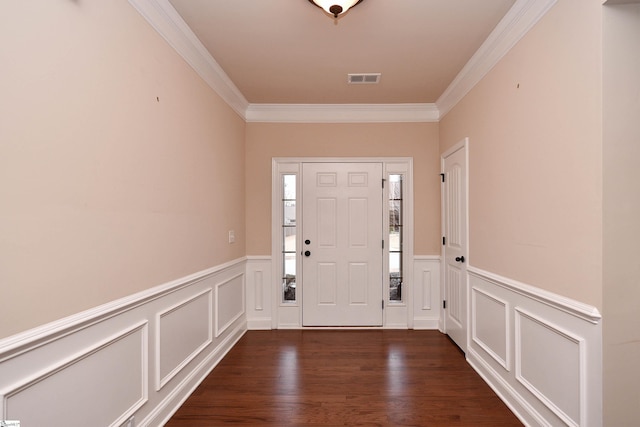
[
  {"x": 417, "y": 140},
  {"x": 534, "y": 124},
  {"x": 621, "y": 309},
  {"x": 120, "y": 169}
]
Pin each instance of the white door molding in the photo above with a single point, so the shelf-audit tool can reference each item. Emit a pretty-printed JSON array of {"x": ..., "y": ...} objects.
[{"x": 289, "y": 314}]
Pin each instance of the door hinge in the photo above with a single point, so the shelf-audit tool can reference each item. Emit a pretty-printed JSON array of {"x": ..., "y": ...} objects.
[
  {"x": 382, "y": 243},
  {"x": 383, "y": 180},
  {"x": 442, "y": 177},
  {"x": 383, "y": 304},
  {"x": 444, "y": 240},
  {"x": 444, "y": 304}
]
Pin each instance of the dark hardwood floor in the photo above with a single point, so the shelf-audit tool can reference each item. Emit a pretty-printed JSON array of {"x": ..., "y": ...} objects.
[{"x": 344, "y": 378}]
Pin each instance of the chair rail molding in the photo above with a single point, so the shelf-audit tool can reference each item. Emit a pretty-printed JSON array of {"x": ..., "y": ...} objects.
[{"x": 143, "y": 354}]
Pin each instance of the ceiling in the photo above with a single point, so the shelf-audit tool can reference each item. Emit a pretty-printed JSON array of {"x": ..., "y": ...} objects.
[{"x": 291, "y": 52}]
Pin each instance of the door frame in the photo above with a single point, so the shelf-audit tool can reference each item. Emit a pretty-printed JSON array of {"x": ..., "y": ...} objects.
[
  {"x": 287, "y": 315},
  {"x": 464, "y": 145}
]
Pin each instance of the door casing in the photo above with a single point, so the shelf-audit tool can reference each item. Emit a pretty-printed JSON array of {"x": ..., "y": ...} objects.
[{"x": 289, "y": 315}]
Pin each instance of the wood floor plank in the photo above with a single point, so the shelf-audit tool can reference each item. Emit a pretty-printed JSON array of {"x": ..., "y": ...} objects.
[{"x": 311, "y": 378}]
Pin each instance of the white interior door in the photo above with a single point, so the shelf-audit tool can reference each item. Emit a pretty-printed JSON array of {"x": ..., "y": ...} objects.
[
  {"x": 454, "y": 188},
  {"x": 342, "y": 254}
]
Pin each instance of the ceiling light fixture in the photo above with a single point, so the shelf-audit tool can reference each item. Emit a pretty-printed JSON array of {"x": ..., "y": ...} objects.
[{"x": 335, "y": 7}]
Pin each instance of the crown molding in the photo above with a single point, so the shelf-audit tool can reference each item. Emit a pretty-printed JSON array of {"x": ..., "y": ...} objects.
[
  {"x": 169, "y": 24},
  {"x": 342, "y": 113},
  {"x": 162, "y": 16},
  {"x": 522, "y": 16}
]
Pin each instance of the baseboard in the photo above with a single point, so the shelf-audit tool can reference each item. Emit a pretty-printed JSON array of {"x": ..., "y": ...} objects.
[
  {"x": 259, "y": 324},
  {"x": 425, "y": 323},
  {"x": 507, "y": 394}
]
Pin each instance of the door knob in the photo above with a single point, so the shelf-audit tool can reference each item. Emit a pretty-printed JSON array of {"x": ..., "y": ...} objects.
[
  {"x": 460, "y": 258},
  {"x": 307, "y": 253}
]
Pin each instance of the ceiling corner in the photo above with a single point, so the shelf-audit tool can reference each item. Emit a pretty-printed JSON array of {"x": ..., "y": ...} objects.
[
  {"x": 162, "y": 16},
  {"x": 522, "y": 16}
]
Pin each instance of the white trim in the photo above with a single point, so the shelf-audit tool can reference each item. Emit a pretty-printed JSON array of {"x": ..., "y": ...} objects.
[
  {"x": 289, "y": 316},
  {"x": 162, "y": 381},
  {"x": 522, "y": 16},
  {"x": 169, "y": 24},
  {"x": 26, "y": 341},
  {"x": 529, "y": 390},
  {"x": 420, "y": 323},
  {"x": 163, "y": 17},
  {"x": 342, "y": 113},
  {"x": 174, "y": 400},
  {"x": 425, "y": 292},
  {"x": 548, "y": 402},
  {"x": 258, "y": 292},
  {"x": 37, "y": 377},
  {"x": 581, "y": 310},
  {"x": 506, "y": 362},
  {"x": 261, "y": 324},
  {"x": 520, "y": 407},
  {"x": 46, "y": 352},
  {"x": 220, "y": 329},
  {"x": 427, "y": 257},
  {"x": 258, "y": 257}
]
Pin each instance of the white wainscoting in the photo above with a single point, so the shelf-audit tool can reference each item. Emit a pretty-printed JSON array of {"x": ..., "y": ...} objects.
[
  {"x": 140, "y": 356},
  {"x": 264, "y": 311},
  {"x": 539, "y": 351},
  {"x": 426, "y": 292},
  {"x": 259, "y": 293}
]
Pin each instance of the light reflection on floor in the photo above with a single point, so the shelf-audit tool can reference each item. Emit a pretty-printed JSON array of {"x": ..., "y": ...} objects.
[{"x": 396, "y": 367}]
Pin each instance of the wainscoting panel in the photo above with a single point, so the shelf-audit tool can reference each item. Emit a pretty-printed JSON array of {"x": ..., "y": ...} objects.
[
  {"x": 490, "y": 326},
  {"x": 176, "y": 349},
  {"x": 426, "y": 292},
  {"x": 265, "y": 311},
  {"x": 539, "y": 351},
  {"x": 549, "y": 362},
  {"x": 93, "y": 368},
  {"x": 259, "y": 293},
  {"x": 230, "y": 302},
  {"x": 116, "y": 368}
]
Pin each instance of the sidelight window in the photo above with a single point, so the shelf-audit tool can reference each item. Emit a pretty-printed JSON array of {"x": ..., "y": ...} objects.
[
  {"x": 289, "y": 238},
  {"x": 395, "y": 237}
]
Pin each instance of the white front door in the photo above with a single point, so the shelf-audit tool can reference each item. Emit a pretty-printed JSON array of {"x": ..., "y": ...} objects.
[
  {"x": 454, "y": 198},
  {"x": 342, "y": 254}
]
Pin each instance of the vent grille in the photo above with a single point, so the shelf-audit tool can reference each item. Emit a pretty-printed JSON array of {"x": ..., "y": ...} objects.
[{"x": 364, "y": 79}]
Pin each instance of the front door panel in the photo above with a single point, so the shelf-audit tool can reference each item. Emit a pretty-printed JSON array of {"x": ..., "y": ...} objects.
[{"x": 342, "y": 263}]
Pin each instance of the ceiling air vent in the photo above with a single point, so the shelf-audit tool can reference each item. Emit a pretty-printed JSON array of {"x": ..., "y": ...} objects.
[{"x": 361, "y": 79}]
